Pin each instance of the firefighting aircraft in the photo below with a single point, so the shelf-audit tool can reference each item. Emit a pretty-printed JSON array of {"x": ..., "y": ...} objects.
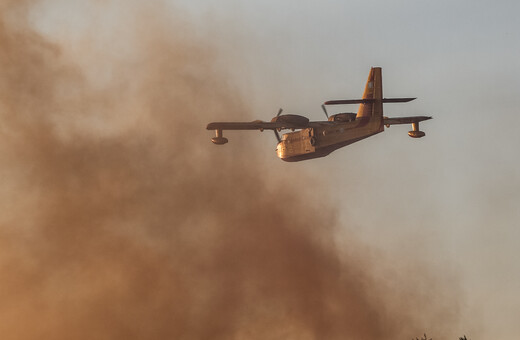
[{"x": 320, "y": 138}]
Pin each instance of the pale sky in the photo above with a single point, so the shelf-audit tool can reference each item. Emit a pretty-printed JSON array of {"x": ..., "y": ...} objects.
[{"x": 457, "y": 189}]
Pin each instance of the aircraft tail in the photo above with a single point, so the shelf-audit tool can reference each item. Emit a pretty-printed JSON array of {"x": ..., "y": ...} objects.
[{"x": 373, "y": 107}]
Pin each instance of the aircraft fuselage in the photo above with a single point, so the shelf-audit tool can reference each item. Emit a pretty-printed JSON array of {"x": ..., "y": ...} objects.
[{"x": 324, "y": 137}]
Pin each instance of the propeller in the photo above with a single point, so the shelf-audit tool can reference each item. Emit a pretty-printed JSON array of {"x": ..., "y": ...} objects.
[
  {"x": 275, "y": 131},
  {"x": 325, "y": 110}
]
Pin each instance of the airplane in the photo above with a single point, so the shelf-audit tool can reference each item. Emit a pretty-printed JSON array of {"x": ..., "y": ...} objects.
[{"x": 319, "y": 138}]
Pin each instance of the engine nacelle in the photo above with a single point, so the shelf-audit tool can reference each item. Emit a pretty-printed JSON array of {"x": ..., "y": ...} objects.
[
  {"x": 415, "y": 133},
  {"x": 291, "y": 119},
  {"x": 343, "y": 117}
]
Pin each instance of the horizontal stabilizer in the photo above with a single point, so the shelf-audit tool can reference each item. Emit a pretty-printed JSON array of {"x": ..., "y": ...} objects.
[
  {"x": 366, "y": 101},
  {"x": 404, "y": 120}
]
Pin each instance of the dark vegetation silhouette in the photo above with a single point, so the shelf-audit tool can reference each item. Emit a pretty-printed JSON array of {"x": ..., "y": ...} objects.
[{"x": 424, "y": 337}]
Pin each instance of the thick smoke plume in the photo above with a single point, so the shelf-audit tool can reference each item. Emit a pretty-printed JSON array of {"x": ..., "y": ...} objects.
[{"x": 120, "y": 220}]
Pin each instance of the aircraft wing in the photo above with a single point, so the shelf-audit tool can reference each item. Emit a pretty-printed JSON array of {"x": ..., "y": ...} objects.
[
  {"x": 405, "y": 120},
  {"x": 256, "y": 125}
]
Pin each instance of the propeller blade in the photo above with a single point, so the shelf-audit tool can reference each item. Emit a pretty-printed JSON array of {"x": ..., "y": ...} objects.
[
  {"x": 325, "y": 110},
  {"x": 275, "y": 131},
  {"x": 277, "y": 135}
]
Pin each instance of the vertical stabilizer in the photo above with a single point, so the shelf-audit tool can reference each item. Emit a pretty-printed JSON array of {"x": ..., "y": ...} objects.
[{"x": 373, "y": 90}]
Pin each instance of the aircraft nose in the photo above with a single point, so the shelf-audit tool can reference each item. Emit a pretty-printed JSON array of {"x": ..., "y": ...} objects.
[{"x": 279, "y": 150}]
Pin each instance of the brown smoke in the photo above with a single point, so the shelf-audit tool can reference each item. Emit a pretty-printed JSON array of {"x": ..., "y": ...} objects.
[{"x": 121, "y": 220}]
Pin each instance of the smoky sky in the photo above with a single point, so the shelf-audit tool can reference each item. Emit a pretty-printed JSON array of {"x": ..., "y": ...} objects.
[{"x": 121, "y": 220}]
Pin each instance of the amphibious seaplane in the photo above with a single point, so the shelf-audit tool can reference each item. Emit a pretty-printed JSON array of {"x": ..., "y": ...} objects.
[{"x": 320, "y": 138}]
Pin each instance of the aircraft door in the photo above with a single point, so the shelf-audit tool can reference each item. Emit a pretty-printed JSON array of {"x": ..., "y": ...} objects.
[{"x": 308, "y": 140}]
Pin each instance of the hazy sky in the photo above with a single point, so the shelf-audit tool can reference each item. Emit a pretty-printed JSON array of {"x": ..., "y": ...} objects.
[
  {"x": 452, "y": 198},
  {"x": 457, "y": 189}
]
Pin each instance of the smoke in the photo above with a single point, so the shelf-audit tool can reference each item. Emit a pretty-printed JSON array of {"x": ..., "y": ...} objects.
[{"x": 121, "y": 220}]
